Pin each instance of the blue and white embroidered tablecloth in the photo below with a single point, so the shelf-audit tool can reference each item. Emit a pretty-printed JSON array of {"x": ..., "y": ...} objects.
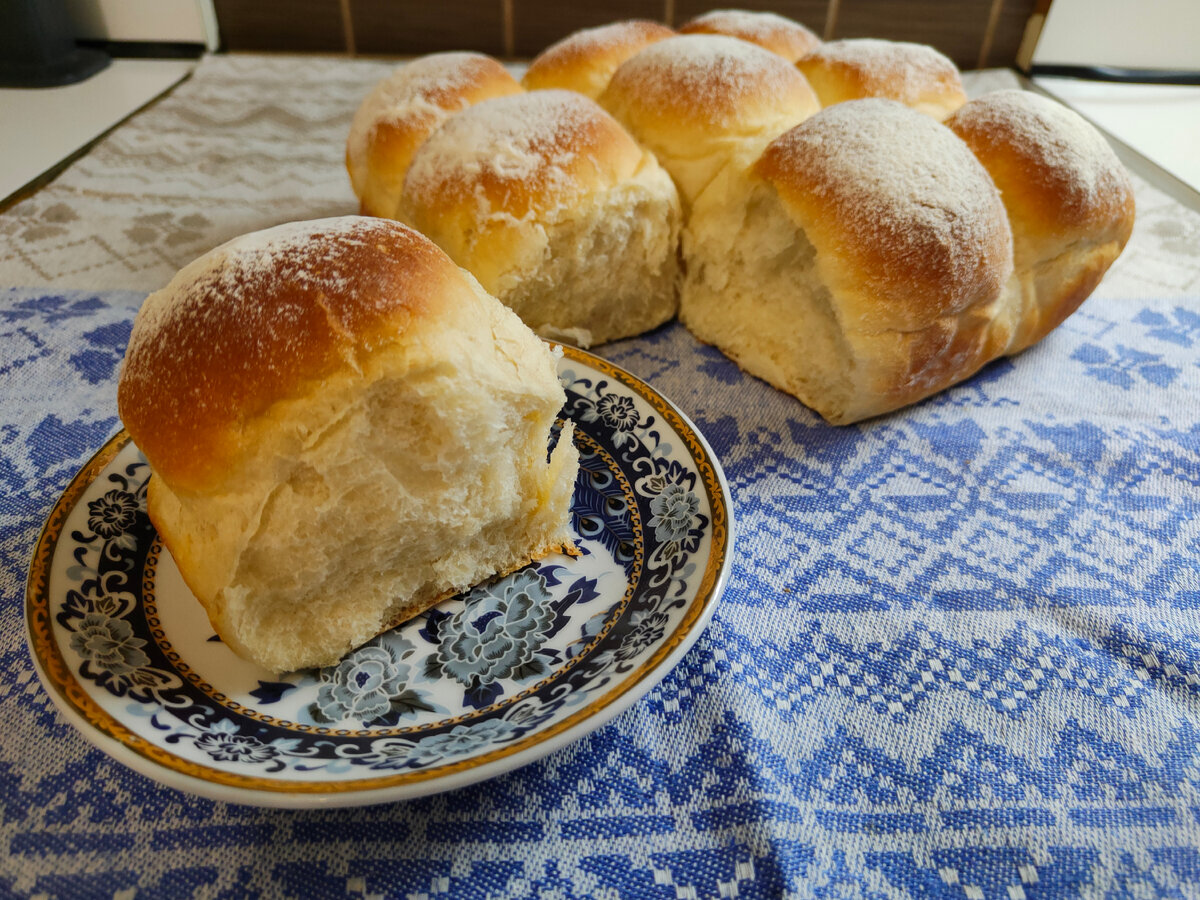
[{"x": 959, "y": 653}]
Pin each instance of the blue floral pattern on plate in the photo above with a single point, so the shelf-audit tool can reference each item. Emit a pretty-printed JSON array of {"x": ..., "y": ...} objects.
[{"x": 484, "y": 682}]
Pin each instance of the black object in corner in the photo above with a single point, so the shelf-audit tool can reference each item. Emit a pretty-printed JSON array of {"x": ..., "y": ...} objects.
[{"x": 37, "y": 48}]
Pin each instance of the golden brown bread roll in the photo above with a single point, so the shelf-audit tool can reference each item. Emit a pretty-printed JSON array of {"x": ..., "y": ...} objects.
[
  {"x": 343, "y": 428},
  {"x": 771, "y": 31},
  {"x": 1069, "y": 202},
  {"x": 403, "y": 110},
  {"x": 913, "y": 74},
  {"x": 556, "y": 210},
  {"x": 857, "y": 265},
  {"x": 585, "y": 61},
  {"x": 701, "y": 101}
]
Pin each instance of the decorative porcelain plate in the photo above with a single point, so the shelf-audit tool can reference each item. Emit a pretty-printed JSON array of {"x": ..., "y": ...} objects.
[{"x": 483, "y": 683}]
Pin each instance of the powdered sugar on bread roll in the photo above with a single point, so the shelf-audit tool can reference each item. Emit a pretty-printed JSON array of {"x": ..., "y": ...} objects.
[
  {"x": 771, "y": 31},
  {"x": 857, "y": 265},
  {"x": 403, "y": 110},
  {"x": 343, "y": 428},
  {"x": 913, "y": 74},
  {"x": 585, "y": 61},
  {"x": 1069, "y": 201},
  {"x": 700, "y": 101},
  {"x": 557, "y": 211}
]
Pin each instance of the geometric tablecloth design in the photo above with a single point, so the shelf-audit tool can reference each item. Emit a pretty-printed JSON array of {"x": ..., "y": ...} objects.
[{"x": 958, "y": 655}]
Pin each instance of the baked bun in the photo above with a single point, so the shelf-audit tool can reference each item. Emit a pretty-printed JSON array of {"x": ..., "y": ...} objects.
[
  {"x": 343, "y": 429},
  {"x": 1069, "y": 201},
  {"x": 700, "y": 101},
  {"x": 913, "y": 74},
  {"x": 771, "y": 31},
  {"x": 556, "y": 210},
  {"x": 403, "y": 110},
  {"x": 584, "y": 61},
  {"x": 858, "y": 265}
]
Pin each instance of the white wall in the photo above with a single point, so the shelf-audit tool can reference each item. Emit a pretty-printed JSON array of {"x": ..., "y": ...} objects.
[
  {"x": 1139, "y": 34},
  {"x": 169, "y": 21}
]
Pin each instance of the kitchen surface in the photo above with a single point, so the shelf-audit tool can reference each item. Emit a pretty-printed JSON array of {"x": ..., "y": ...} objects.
[{"x": 950, "y": 651}]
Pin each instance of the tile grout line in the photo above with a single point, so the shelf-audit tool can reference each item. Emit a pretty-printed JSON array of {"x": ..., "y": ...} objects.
[
  {"x": 831, "y": 16},
  {"x": 348, "y": 27},
  {"x": 510, "y": 36},
  {"x": 989, "y": 33}
]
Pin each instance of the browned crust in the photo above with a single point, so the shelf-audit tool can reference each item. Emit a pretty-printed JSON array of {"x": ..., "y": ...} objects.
[
  {"x": 404, "y": 109},
  {"x": 584, "y": 61},
  {"x": 576, "y": 149},
  {"x": 913, "y": 270},
  {"x": 669, "y": 88},
  {"x": 780, "y": 35},
  {"x": 229, "y": 337},
  {"x": 1068, "y": 197},
  {"x": 913, "y": 74},
  {"x": 1052, "y": 186}
]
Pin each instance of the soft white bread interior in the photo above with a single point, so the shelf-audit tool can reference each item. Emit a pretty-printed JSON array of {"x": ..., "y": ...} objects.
[
  {"x": 771, "y": 31},
  {"x": 913, "y": 74},
  {"x": 702, "y": 101},
  {"x": 858, "y": 265},
  {"x": 343, "y": 429},
  {"x": 1069, "y": 201},
  {"x": 404, "y": 109},
  {"x": 585, "y": 60},
  {"x": 556, "y": 210}
]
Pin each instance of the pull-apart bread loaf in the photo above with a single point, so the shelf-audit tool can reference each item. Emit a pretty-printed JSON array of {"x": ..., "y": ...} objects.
[
  {"x": 866, "y": 260},
  {"x": 556, "y": 210},
  {"x": 771, "y": 31},
  {"x": 343, "y": 429},
  {"x": 403, "y": 110},
  {"x": 857, "y": 265},
  {"x": 855, "y": 232},
  {"x": 584, "y": 61},
  {"x": 702, "y": 101}
]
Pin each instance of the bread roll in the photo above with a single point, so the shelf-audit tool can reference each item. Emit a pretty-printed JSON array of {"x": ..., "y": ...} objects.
[
  {"x": 858, "y": 265},
  {"x": 771, "y": 31},
  {"x": 913, "y": 74},
  {"x": 556, "y": 210},
  {"x": 1069, "y": 202},
  {"x": 701, "y": 101},
  {"x": 403, "y": 110},
  {"x": 584, "y": 61},
  {"x": 343, "y": 429}
]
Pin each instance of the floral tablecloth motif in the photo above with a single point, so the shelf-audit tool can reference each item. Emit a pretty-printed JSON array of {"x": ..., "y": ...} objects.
[{"x": 958, "y": 655}]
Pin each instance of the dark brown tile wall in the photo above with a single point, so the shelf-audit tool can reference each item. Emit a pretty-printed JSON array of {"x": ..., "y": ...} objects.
[
  {"x": 388, "y": 27},
  {"x": 956, "y": 27},
  {"x": 1010, "y": 29},
  {"x": 968, "y": 31},
  {"x": 303, "y": 26},
  {"x": 809, "y": 13},
  {"x": 539, "y": 23}
]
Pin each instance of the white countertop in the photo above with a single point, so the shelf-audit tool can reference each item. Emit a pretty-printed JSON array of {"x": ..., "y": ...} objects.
[{"x": 40, "y": 127}]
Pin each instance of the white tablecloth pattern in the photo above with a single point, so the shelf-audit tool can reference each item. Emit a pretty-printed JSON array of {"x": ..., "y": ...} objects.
[{"x": 959, "y": 653}]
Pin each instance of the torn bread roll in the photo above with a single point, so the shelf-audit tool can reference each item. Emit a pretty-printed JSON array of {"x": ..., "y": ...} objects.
[
  {"x": 1069, "y": 201},
  {"x": 343, "y": 429},
  {"x": 858, "y": 265},
  {"x": 771, "y": 31},
  {"x": 403, "y": 109},
  {"x": 702, "y": 101},
  {"x": 913, "y": 74},
  {"x": 556, "y": 210},
  {"x": 585, "y": 60}
]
